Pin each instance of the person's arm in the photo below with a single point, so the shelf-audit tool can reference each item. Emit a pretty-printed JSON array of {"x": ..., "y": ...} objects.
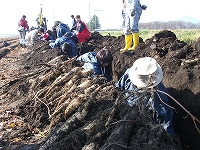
[
  {"x": 26, "y": 25},
  {"x": 108, "y": 72},
  {"x": 164, "y": 112},
  {"x": 121, "y": 84},
  {"x": 55, "y": 44},
  {"x": 19, "y": 23}
]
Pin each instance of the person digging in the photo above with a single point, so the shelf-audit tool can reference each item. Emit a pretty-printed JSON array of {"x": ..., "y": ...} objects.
[{"x": 141, "y": 83}]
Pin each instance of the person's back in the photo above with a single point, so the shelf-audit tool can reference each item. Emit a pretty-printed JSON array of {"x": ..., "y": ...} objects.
[
  {"x": 71, "y": 50},
  {"x": 31, "y": 36},
  {"x": 61, "y": 28},
  {"x": 90, "y": 62},
  {"x": 23, "y": 24}
]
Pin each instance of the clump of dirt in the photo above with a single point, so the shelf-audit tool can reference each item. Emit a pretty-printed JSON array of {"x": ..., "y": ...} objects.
[{"x": 55, "y": 104}]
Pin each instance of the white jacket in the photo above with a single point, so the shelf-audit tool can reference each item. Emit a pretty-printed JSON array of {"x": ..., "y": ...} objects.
[
  {"x": 132, "y": 4},
  {"x": 30, "y": 36}
]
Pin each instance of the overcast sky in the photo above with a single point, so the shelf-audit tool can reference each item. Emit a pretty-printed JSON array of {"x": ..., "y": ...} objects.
[{"x": 108, "y": 11}]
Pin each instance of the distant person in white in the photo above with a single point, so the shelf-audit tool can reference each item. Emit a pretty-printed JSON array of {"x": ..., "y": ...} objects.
[{"x": 32, "y": 36}]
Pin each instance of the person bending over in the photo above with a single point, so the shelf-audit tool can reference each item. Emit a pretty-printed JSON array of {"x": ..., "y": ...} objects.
[
  {"x": 146, "y": 74},
  {"x": 100, "y": 62}
]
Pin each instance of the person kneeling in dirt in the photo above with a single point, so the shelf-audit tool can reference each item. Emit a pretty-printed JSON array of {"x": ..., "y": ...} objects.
[
  {"x": 66, "y": 45},
  {"x": 81, "y": 31},
  {"x": 100, "y": 62},
  {"x": 47, "y": 36},
  {"x": 32, "y": 36},
  {"x": 144, "y": 78}
]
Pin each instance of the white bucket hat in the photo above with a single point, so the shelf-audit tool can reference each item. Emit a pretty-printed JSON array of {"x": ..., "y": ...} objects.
[{"x": 141, "y": 71}]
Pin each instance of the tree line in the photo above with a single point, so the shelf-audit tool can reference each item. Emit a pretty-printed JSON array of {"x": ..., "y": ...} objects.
[
  {"x": 156, "y": 25},
  {"x": 94, "y": 23}
]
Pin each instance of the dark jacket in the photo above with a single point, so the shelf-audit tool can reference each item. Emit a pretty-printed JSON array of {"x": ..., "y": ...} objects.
[
  {"x": 61, "y": 40},
  {"x": 91, "y": 62},
  {"x": 164, "y": 114},
  {"x": 62, "y": 29}
]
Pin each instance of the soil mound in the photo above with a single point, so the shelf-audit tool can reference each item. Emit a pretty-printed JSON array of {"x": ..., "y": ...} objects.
[{"x": 52, "y": 103}]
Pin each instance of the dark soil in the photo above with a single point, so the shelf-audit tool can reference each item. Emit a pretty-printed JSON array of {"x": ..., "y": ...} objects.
[{"x": 102, "y": 120}]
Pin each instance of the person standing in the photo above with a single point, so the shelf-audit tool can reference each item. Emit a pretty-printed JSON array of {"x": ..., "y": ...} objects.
[
  {"x": 73, "y": 23},
  {"x": 81, "y": 31},
  {"x": 133, "y": 11},
  {"x": 23, "y": 28}
]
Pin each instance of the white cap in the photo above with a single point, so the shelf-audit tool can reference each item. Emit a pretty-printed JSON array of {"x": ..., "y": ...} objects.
[{"x": 142, "y": 69}]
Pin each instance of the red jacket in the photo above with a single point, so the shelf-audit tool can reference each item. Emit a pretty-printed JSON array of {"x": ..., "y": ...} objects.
[
  {"x": 23, "y": 23},
  {"x": 83, "y": 33}
]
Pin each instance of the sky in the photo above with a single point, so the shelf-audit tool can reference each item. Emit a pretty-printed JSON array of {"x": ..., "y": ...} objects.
[{"x": 108, "y": 11}]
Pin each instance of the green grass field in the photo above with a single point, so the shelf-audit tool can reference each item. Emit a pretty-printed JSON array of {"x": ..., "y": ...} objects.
[{"x": 186, "y": 35}]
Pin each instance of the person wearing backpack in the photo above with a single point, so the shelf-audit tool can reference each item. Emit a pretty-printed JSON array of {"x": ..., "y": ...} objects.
[{"x": 23, "y": 28}]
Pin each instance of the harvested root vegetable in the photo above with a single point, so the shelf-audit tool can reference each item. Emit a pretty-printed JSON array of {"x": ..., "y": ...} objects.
[
  {"x": 108, "y": 88},
  {"x": 85, "y": 84},
  {"x": 60, "y": 108},
  {"x": 46, "y": 77},
  {"x": 56, "y": 60},
  {"x": 86, "y": 73},
  {"x": 64, "y": 78},
  {"x": 91, "y": 89},
  {"x": 72, "y": 81},
  {"x": 74, "y": 104}
]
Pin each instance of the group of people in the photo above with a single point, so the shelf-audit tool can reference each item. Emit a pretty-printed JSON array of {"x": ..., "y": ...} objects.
[
  {"x": 145, "y": 73},
  {"x": 61, "y": 35}
]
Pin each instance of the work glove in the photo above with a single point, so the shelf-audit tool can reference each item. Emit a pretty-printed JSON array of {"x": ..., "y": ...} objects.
[
  {"x": 133, "y": 13},
  {"x": 144, "y": 7}
]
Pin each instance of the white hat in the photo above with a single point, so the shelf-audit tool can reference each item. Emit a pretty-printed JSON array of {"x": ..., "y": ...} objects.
[{"x": 143, "y": 68}]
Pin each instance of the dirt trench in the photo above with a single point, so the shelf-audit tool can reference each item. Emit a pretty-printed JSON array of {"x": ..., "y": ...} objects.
[{"x": 48, "y": 102}]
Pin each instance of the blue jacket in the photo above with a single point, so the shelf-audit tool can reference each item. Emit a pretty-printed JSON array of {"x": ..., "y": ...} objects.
[
  {"x": 61, "y": 29},
  {"x": 91, "y": 62},
  {"x": 164, "y": 114},
  {"x": 61, "y": 40}
]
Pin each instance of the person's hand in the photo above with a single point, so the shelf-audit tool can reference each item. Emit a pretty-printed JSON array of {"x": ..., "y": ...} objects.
[{"x": 133, "y": 13}]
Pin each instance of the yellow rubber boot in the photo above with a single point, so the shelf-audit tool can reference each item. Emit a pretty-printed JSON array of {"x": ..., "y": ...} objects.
[
  {"x": 128, "y": 42},
  {"x": 135, "y": 41}
]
